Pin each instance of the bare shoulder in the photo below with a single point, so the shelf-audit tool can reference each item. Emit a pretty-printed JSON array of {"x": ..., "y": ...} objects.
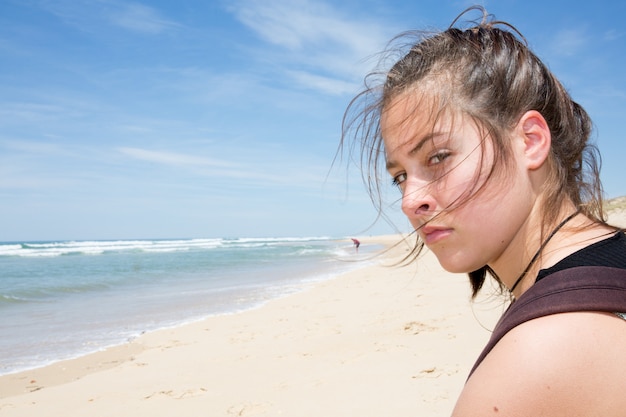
[{"x": 570, "y": 364}]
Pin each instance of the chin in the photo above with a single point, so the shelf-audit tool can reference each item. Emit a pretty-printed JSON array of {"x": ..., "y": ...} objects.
[
  {"x": 456, "y": 267},
  {"x": 456, "y": 270}
]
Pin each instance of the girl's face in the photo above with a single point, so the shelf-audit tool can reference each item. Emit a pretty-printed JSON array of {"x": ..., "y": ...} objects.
[{"x": 441, "y": 168}]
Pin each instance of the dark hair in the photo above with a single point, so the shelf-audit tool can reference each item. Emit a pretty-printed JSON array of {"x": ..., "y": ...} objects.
[{"x": 488, "y": 73}]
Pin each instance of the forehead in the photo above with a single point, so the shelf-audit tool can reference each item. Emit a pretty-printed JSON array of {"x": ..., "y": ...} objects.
[
  {"x": 403, "y": 112},
  {"x": 410, "y": 116}
]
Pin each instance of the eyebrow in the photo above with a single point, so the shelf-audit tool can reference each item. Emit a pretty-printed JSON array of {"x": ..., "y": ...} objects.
[{"x": 391, "y": 164}]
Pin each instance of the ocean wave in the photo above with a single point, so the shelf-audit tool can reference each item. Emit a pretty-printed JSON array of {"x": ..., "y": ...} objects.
[
  {"x": 275, "y": 240},
  {"x": 11, "y": 299},
  {"x": 96, "y": 247},
  {"x": 51, "y": 249}
]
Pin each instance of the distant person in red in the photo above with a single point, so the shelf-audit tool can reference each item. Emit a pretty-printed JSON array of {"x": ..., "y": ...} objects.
[{"x": 356, "y": 244}]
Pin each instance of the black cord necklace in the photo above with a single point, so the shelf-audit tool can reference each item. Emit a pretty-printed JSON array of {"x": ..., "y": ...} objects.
[{"x": 543, "y": 245}]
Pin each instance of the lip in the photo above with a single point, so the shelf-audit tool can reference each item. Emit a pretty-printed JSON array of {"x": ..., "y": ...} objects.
[{"x": 434, "y": 234}]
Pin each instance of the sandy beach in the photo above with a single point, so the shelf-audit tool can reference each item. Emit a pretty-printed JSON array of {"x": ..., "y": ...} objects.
[{"x": 379, "y": 341}]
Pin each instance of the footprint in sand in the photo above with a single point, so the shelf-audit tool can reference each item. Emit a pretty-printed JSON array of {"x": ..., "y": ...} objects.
[
  {"x": 179, "y": 395},
  {"x": 434, "y": 372},
  {"x": 243, "y": 409},
  {"x": 416, "y": 327}
]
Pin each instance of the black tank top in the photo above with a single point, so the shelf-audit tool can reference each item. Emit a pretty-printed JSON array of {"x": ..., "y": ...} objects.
[{"x": 608, "y": 252}]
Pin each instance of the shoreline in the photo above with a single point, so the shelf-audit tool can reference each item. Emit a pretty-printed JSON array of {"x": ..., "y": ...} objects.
[
  {"x": 67, "y": 369},
  {"x": 89, "y": 325}
]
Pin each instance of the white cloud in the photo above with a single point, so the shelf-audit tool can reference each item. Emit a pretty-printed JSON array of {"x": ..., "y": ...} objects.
[
  {"x": 328, "y": 85},
  {"x": 31, "y": 112},
  {"x": 613, "y": 35},
  {"x": 87, "y": 16},
  {"x": 569, "y": 42},
  {"x": 173, "y": 159},
  {"x": 254, "y": 169},
  {"x": 296, "y": 24},
  {"x": 139, "y": 18},
  {"x": 315, "y": 36},
  {"x": 30, "y": 147}
]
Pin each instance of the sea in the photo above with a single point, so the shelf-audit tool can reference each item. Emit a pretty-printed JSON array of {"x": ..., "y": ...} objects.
[{"x": 60, "y": 300}]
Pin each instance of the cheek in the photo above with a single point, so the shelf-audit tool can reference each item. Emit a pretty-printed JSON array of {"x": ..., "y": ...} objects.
[
  {"x": 475, "y": 179},
  {"x": 457, "y": 186}
]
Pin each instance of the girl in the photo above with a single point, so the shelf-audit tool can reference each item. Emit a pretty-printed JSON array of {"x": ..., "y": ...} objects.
[{"x": 498, "y": 179}]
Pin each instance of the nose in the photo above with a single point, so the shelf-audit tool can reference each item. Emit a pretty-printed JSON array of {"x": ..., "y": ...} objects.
[{"x": 418, "y": 202}]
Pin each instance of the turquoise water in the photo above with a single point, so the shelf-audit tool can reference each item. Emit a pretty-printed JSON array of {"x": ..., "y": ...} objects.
[{"x": 60, "y": 300}]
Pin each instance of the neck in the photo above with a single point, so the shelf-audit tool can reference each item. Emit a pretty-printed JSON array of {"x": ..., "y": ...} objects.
[
  {"x": 532, "y": 261},
  {"x": 524, "y": 255}
]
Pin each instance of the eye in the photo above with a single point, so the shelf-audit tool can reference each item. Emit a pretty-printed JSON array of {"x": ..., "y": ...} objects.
[
  {"x": 438, "y": 157},
  {"x": 399, "y": 179}
]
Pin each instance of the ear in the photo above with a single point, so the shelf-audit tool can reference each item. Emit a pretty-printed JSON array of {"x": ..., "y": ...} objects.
[{"x": 534, "y": 130}]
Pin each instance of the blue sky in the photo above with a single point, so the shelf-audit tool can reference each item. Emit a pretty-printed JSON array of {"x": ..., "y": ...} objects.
[{"x": 199, "y": 118}]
